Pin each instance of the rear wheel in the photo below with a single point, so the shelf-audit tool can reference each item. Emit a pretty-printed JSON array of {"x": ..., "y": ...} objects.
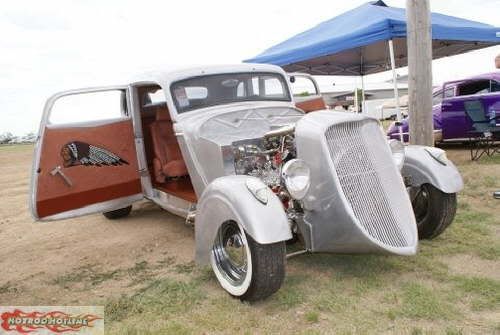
[
  {"x": 246, "y": 269},
  {"x": 118, "y": 213},
  {"x": 434, "y": 210}
]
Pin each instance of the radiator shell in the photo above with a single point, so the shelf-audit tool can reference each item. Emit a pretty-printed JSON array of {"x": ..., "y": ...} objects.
[{"x": 357, "y": 202}]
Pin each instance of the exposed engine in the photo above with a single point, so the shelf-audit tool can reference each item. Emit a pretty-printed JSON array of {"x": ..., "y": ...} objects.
[{"x": 263, "y": 157}]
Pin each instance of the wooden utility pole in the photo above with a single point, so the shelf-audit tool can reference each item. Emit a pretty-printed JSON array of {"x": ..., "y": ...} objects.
[{"x": 419, "y": 39}]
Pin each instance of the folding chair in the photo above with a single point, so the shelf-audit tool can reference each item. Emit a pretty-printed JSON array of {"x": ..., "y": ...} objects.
[{"x": 482, "y": 138}]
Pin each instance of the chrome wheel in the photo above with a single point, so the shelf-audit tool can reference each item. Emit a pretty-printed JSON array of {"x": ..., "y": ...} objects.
[
  {"x": 244, "y": 268},
  {"x": 230, "y": 253}
]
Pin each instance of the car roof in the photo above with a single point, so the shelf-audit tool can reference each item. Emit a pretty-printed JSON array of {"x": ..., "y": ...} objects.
[
  {"x": 166, "y": 76},
  {"x": 491, "y": 75},
  {"x": 486, "y": 76}
]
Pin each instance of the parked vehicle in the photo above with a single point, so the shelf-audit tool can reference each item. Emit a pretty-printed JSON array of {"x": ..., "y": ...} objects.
[
  {"x": 388, "y": 111},
  {"x": 451, "y": 103},
  {"x": 227, "y": 149}
]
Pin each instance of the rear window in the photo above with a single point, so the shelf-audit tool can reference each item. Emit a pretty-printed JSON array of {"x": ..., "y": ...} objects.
[{"x": 151, "y": 95}]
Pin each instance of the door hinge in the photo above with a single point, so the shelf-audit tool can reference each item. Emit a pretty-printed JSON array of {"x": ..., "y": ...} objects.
[{"x": 144, "y": 172}]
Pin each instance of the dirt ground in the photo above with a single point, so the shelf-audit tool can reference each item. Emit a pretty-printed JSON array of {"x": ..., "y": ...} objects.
[
  {"x": 141, "y": 268},
  {"x": 34, "y": 256}
]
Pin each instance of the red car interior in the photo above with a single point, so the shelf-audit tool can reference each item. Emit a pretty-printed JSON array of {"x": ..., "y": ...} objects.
[{"x": 165, "y": 162}]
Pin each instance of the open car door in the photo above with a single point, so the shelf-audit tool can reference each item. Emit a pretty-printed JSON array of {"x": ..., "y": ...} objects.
[
  {"x": 85, "y": 155},
  {"x": 306, "y": 92}
]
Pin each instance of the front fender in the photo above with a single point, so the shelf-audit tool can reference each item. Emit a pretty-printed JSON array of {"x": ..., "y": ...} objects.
[
  {"x": 421, "y": 168},
  {"x": 228, "y": 198}
]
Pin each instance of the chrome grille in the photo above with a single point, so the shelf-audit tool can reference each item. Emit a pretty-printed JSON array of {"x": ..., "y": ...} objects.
[{"x": 369, "y": 180}]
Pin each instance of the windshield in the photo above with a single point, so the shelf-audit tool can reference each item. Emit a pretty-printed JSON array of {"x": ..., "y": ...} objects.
[{"x": 211, "y": 90}]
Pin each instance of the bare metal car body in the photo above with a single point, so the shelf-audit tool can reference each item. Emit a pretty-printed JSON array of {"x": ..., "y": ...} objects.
[{"x": 356, "y": 200}]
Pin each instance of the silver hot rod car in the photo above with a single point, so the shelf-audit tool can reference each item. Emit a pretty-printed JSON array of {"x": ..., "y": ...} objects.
[{"x": 227, "y": 149}]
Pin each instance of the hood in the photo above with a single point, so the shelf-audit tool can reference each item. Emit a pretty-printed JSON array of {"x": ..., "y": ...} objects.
[{"x": 227, "y": 125}]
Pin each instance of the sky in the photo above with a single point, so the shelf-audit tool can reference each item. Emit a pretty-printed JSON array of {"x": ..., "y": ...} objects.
[{"x": 53, "y": 45}]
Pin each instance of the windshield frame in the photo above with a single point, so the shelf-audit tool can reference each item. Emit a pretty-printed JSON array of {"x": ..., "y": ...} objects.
[{"x": 283, "y": 80}]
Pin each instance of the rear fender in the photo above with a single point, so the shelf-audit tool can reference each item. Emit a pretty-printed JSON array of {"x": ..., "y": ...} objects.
[
  {"x": 420, "y": 167},
  {"x": 228, "y": 198}
]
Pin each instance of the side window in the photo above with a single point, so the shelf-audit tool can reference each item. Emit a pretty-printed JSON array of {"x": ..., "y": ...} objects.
[
  {"x": 449, "y": 92},
  {"x": 474, "y": 87},
  {"x": 437, "y": 98},
  {"x": 303, "y": 86},
  {"x": 86, "y": 107},
  {"x": 155, "y": 96},
  {"x": 495, "y": 86},
  {"x": 149, "y": 96}
]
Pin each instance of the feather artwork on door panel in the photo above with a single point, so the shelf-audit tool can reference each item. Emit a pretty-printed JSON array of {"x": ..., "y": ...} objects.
[{"x": 81, "y": 153}]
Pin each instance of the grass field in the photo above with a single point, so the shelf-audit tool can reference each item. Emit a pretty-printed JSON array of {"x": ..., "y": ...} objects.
[{"x": 452, "y": 286}]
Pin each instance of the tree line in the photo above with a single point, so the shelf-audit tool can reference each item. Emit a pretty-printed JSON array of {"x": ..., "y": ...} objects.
[{"x": 9, "y": 138}]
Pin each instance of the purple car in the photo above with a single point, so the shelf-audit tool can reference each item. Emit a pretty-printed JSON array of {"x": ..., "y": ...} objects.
[{"x": 456, "y": 103}]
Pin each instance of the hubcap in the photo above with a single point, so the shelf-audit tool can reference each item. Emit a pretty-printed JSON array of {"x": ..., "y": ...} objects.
[
  {"x": 230, "y": 253},
  {"x": 420, "y": 202}
]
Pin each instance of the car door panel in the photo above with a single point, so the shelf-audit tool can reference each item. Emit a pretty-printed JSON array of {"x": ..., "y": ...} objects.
[
  {"x": 312, "y": 104},
  {"x": 492, "y": 106},
  {"x": 90, "y": 183},
  {"x": 455, "y": 123},
  {"x": 91, "y": 165}
]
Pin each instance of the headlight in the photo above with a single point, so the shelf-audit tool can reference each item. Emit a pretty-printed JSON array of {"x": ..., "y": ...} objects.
[
  {"x": 438, "y": 154},
  {"x": 297, "y": 177},
  {"x": 398, "y": 153}
]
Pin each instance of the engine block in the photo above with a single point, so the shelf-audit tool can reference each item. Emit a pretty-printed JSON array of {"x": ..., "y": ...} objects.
[{"x": 263, "y": 157}]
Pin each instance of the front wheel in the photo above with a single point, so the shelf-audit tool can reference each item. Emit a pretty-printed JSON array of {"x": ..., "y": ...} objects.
[
  {"x": 434, "y": 210},
  {"x": 244, "y": 268}
]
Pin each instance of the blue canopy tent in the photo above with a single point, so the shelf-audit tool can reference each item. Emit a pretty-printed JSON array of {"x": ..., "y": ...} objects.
[{"x": 372, "y": 38}]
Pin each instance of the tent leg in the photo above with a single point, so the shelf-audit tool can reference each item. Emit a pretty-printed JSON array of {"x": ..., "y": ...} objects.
[
  {"x": 363, "y": 110},
  {"x": 356, "y": 102},
  {"x": 396, "y": 92}
]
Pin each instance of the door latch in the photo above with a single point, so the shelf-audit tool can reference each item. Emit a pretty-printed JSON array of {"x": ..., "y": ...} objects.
[{"x": 57, "y": 170}]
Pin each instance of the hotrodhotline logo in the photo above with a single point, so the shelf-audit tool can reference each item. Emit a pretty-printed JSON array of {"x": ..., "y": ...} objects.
[{"x": 55, "y": 321}]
